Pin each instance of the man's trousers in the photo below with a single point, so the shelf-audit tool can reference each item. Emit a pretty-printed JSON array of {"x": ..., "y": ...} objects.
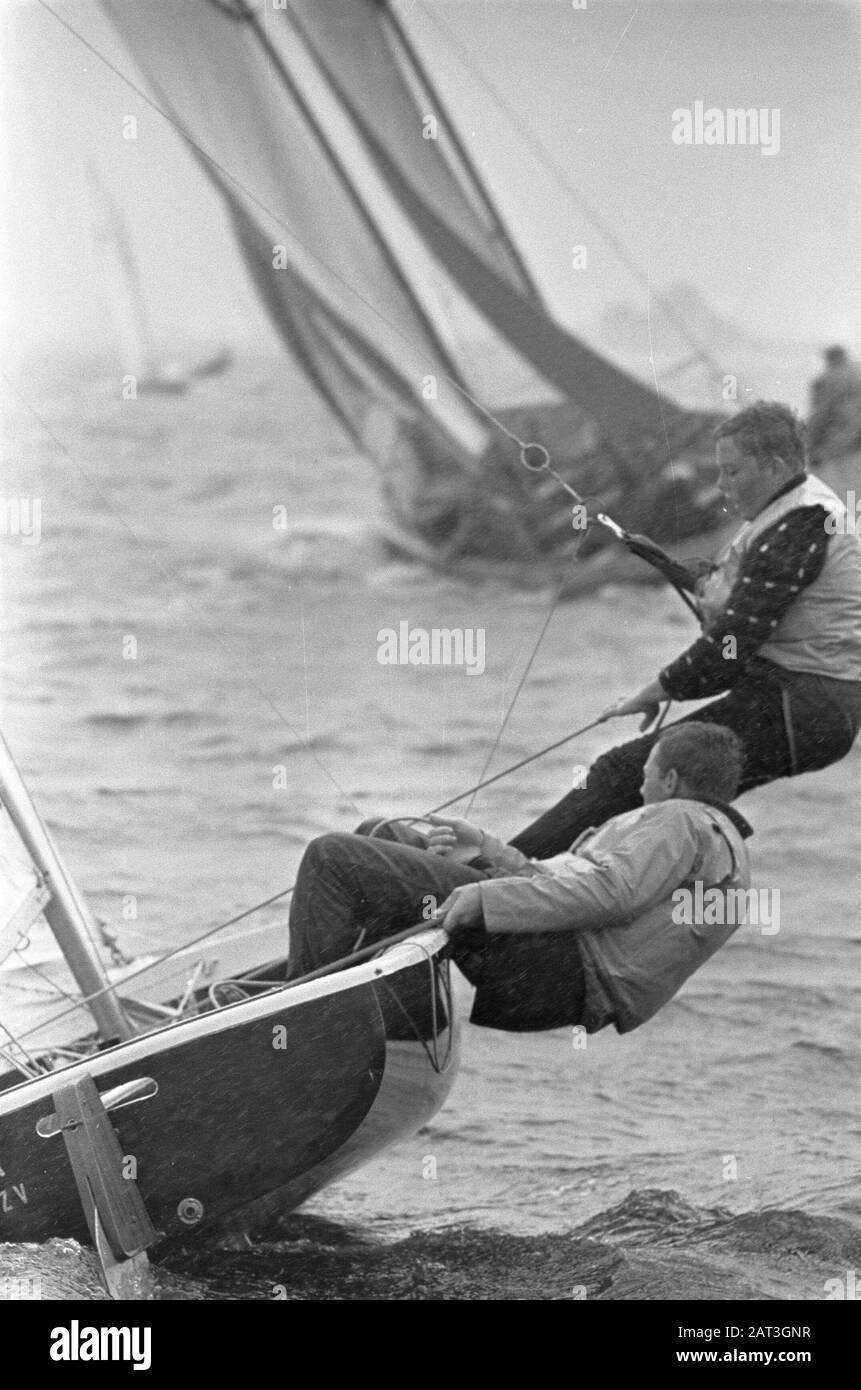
[
  {"x": 789, "y": 723},
  {"x": 352, "y": 891}
]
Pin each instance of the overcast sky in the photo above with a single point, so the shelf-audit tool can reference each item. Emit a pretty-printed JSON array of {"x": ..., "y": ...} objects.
[{"x": 772, "y": 241}]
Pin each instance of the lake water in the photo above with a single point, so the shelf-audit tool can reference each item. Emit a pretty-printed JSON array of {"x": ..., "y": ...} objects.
[{"x": 167, "y": 648}]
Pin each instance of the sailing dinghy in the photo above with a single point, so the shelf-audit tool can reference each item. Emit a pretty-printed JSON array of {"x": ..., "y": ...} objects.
[{"x": 226, "y": 1102}]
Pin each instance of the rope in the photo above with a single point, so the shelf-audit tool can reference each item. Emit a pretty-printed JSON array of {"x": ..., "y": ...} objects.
[
  {"x": 356, "y": 957},
  {"x": 28, "y": 1067},
  {"x": 520, "y": 684},
  {"x": 515, "y": 766},
  {"x": 659, "y": 722},
  {"x": 87, "y": 999},
  {"x": 54, "y": 986}
]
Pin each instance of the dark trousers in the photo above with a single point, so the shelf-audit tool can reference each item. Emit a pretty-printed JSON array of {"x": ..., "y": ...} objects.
[
  {"x": 788, "y": 723},
  {"x": 353, "y": 890}
]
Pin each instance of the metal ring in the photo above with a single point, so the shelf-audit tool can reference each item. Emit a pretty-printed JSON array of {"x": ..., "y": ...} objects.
[
  {"x": 533, "y": 449},
  {"x": 190, "y": 1211}
]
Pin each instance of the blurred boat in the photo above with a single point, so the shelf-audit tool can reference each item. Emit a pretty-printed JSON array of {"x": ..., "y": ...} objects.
[
  {"x": 143, "y": 362},
  {"x": 376, "y": 250}
]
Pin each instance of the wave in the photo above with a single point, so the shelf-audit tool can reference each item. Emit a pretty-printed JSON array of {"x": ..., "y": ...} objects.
[
  {"x": 651, "y": 1246},
  {"x": 822, "y": 1049},
  {"x": 129, "y": 719}
]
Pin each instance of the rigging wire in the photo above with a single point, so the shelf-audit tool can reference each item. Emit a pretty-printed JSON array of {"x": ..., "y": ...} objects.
[
  {"x": 506, "y": 771},
  {"x": 520, "y": 684},
  {"x": 29, "y": 1067},
  {"x": 87, "y": 999},
  {"x": 54, "y": 986}
]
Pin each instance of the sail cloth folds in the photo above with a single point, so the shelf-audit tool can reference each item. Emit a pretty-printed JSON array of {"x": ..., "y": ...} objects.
[
  {"x": 368, "y": 56},
  {"x": 622, "y": 406},
  {"x": 213, "y": 71},
  {"x": 373, "y": 401},
  {"x": 308, "y": 119}
]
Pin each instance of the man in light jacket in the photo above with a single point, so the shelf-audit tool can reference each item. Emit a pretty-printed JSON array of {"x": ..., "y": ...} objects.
[{"x": 591, "y": 937}]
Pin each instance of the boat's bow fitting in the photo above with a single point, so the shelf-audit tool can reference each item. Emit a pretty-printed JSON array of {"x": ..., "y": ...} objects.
[{"x": 117, "y": 1218}]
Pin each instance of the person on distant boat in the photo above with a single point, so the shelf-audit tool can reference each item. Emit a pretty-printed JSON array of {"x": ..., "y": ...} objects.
[
  {"x": 781, "y": 640},
  {"x": 834, "y": 424},
  {"x": 605, "y": 933}
]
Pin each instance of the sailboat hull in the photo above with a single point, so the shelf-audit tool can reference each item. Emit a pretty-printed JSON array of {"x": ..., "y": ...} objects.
[{"x": 258, "y": 1105}]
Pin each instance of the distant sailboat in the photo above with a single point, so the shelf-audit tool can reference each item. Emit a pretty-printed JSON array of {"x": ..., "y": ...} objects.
[
  {"x": 358, "y": 212},
  {"x": 139, "y": 353}
]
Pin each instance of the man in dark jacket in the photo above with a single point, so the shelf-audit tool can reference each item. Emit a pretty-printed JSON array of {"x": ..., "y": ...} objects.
[{"x": 781, "y": 640}]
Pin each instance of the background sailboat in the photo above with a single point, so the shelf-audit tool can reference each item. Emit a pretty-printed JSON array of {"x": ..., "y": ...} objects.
[
  {"x": 125, "y": 290},
  {"x": 358, "y": 213}
]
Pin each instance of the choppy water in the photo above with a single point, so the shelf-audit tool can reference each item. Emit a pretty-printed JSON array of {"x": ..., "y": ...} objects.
[{"x": 256, "y": 648}]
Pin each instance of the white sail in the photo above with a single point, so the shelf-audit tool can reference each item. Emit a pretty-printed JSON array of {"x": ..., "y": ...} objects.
[{"x": 22, "y": 893}]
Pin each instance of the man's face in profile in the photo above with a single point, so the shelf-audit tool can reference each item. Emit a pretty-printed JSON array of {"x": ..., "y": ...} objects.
[
  {"x": 747, "y": 485},
  {"x": 657, "y": 785}
]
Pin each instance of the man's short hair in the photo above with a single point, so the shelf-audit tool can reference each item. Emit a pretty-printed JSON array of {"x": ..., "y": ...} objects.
[
  {"x": 707, "y": 757},
  {"x": 767, "y": 430}
]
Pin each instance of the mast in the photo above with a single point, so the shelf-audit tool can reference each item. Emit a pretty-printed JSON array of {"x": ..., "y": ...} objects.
[{"x": 67, "y": 914}]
